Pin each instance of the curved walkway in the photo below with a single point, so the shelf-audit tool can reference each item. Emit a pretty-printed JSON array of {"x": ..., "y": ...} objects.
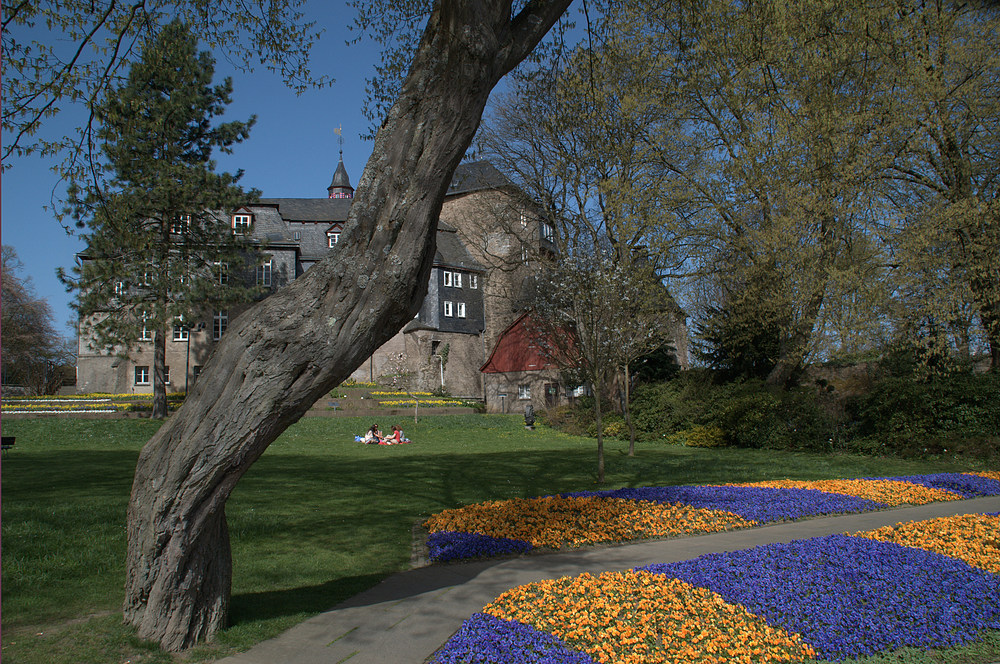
[{"x": 411, "y": 614}]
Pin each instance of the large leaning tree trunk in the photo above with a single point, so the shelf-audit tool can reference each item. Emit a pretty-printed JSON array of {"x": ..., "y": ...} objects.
[{"x": 282, "y": 355}]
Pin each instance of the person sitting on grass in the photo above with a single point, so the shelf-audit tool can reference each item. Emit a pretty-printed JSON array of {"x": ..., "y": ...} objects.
[
  {"x": 396, "y": 437},
  {"x": 373, "y": 437}
]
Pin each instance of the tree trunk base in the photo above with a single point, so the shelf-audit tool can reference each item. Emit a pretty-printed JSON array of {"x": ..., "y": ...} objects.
[{"x": 189, "y": 598}]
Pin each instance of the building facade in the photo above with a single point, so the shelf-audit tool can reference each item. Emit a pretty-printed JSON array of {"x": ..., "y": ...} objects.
[
  {"x": 465, "y": 337},
  {"x": 443, "y": 347}
]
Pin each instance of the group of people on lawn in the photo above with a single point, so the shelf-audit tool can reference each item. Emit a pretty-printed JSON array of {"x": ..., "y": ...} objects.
[{"x": 375, "y": 437}]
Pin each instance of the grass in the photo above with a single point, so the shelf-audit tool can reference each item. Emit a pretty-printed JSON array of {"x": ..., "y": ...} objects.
[{"x": 317, "y": 519}]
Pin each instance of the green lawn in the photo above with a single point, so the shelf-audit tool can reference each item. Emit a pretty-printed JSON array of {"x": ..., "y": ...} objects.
[{"x": 317, "y": 519}]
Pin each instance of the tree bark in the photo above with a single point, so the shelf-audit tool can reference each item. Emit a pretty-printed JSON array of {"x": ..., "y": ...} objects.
[
  {"x": 281, "y": 356},
  {"x": 627, "y": 411},
  {"x": 598, "y": 390}
]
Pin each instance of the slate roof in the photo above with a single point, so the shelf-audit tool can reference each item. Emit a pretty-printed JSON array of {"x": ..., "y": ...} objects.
[
  {"x": 475, "y": 176},
  {"x": 303, "y": 222},
  {"x": 311, "y": 209},
  {"x": 340, "y": 178},
  {"x": 451, "y": 252}
]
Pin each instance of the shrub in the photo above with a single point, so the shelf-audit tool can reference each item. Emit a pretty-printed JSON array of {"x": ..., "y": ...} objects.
[
  {"x": 917, "y": 418},
  {"x": 702, "y": 436},
  {"x": 615, "y": 428},
  {"x": 755, "y": 415},
  {"x": 662, "y": 409}
]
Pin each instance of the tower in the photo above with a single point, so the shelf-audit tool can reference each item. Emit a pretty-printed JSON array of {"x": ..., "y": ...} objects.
[{"x": 340, "y": 187}]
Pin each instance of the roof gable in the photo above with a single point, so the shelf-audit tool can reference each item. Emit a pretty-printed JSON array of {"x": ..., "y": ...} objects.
[{"x": 516, "y": 350}]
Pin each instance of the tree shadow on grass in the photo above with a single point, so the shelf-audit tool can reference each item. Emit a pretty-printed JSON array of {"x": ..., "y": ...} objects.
[{"x": 252, "y": 607}]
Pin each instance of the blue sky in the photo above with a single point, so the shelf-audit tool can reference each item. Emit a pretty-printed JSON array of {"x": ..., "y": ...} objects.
[{"x": 292, "y": 151}]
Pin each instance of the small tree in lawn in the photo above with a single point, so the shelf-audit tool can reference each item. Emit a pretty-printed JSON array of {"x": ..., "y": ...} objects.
[
  {"x": 161, "y": 250},
  {"x": 397, "y": 375},
  {"x": 575, "y": 322},
  {"x": 640, "y": 320}
]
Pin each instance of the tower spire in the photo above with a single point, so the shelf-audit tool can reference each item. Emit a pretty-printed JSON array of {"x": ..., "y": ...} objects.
[{"x": 340, "y": 187}]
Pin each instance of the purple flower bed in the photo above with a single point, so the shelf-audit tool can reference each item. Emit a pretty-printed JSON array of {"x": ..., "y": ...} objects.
[
  {"x": 967, "y": 486},
  {"x": 484, "y": 639},
  {"x": 851, "y": 596},
  {"x": 451, "y": 545},
  {"x": 759, "y": 504}
]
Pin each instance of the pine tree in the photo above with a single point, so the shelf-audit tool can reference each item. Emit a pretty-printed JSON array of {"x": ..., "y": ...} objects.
[{"x": 161, "y": 251}]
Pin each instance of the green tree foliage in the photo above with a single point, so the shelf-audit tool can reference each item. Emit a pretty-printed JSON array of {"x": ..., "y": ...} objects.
[
  {"x": 740, "y": 337},
  {"x": 161, "y": 251},
  {"x": 34, "y": 355},
  {"x": 947, "y": 173},
  {"x": 772, "y": 115}
]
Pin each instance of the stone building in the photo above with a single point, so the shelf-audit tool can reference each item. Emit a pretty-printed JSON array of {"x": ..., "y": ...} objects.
[
  {"x": 489, "y": 241},
  {"x": 443, "y": 347}
]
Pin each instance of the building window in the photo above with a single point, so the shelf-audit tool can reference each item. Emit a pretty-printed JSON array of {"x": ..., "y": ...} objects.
[
  {"x": 548, "y": 233},
  {"x": 119, "y": 288},
  {"x": 447, "y": 278},
  {"x": 456, "y": 280},
  {"x": 147, "y": 333},
  {"x": 195, "y": 372},
  {"x": 166, "y": 375},
  {"x": 447, "y": 308},
  {"x": 524, "y": 220},
  {"x": 142, "y": 375},
  {"x": 473, "y": 281},
  {"x": 220, "y": 321},
  {"x": 264, "y": 274},
  {"x": 524, "y": 391},
  {"x": 333, "y": 239},
  {"x": 241, "y": 224},
  {"x": 460, "y": 309},
  {"x": 524, "y": 254},
  {"x": 181, "y": 333},
  {"x": 222, "y": 272}
]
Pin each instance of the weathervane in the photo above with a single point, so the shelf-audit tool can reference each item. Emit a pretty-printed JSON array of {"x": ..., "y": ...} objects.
[{"x": 340, "y": 140}]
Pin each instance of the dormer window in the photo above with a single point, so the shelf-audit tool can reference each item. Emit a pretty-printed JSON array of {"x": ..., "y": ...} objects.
[
  {"x": 333, "y": 234},
  {"x": 241, "y": 223}
]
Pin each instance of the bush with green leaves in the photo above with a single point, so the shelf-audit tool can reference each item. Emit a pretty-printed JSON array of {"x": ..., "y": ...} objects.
[
  {"x": 913, "y": 417},
  {"x": 662, "y": 409}
]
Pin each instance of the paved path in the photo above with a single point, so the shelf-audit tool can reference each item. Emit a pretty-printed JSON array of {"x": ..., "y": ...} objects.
[{"x": 411, "y": 614}]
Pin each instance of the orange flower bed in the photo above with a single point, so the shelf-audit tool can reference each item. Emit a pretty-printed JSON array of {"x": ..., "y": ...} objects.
[
  {"x": 989, "y": 474},
  {"x": 641, "y": 618},
  {"x": 553, "y": 521},
  {"x": 974, "y": 538},
  {"x": 882, "y": 491}
]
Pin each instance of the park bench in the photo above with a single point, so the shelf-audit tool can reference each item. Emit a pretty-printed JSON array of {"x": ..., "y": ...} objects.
[{"x": 7, "y": 442}]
